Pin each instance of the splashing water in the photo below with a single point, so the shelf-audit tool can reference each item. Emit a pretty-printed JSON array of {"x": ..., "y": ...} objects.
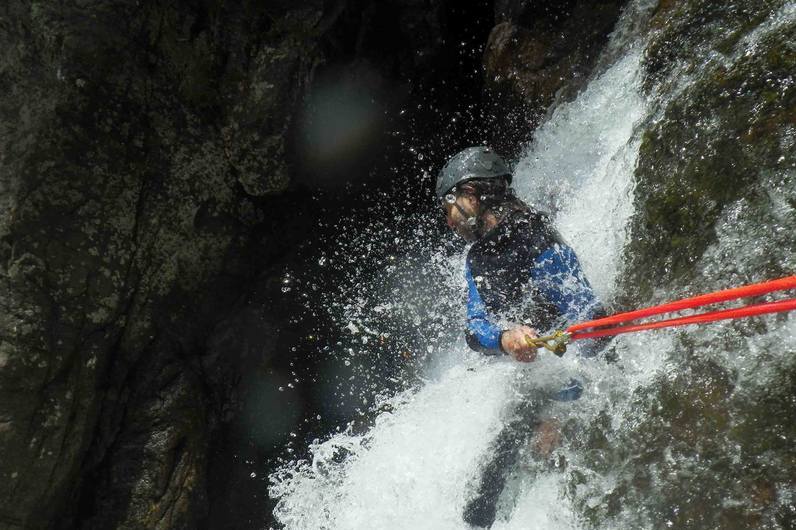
[
  {"x": 580, "y": 169},
  {"x": 414, "y": 467},
  {"x": 410, "y": 469}
]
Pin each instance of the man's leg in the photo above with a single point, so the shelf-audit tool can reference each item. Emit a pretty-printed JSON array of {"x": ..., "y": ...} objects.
[{"x": 480, "y": 511}]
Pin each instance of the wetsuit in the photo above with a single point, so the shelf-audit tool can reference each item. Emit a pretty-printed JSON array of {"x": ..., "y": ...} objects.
[{"x": 521, "y": 271}]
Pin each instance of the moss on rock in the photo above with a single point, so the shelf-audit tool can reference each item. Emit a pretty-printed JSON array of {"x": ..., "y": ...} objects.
[{"x": 714, "y": 139}]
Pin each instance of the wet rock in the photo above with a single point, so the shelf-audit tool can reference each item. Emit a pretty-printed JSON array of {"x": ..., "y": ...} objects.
[
  {"x": 133, "y": 137},
  {"x": 146, "y": 153},
  {"x": 716, "y": 207},
  {"x": 262, "y": 100},
  {"x": 543, "y": 51},
  {"x": 719, "y": 138}
]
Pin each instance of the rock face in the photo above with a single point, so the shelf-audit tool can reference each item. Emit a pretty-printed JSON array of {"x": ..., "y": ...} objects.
[
  {"x": 145, "y": 149},
  {"x": 726, "y": 135},
  {"x": 715, "y": 203},
  {"x": 539, "y": 51},
  {"x": 136, "y": 140}
]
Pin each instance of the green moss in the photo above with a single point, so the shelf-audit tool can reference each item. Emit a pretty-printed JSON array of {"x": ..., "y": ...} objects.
[
  {"x": 709, "y": 149},
  {"x": 686, "y": 28}
]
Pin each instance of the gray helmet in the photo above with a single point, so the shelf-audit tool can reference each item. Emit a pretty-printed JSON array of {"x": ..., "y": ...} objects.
[{"x": 472, "y": 163}]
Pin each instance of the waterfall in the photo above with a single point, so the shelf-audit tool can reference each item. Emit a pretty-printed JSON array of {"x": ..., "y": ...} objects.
[
  {"x": 414, "y": 466},
  {"x": 580, "y": 168}
]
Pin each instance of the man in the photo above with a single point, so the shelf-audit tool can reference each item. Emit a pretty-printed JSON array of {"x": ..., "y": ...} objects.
[{"x": 521, "y": 277}]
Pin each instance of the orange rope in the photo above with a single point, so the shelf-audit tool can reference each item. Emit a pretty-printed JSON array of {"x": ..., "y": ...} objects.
[
  {"x": 690, "y": 303},
  {"x": 702, "y": 318}
]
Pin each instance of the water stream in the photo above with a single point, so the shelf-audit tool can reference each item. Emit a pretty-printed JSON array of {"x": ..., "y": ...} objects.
[{"x": 412, "y": 468}]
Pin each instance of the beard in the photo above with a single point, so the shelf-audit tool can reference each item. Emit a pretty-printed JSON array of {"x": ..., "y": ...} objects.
[{"x": 472, "y": 230}]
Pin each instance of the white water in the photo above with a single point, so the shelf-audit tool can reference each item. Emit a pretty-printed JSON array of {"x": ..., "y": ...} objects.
[
  {"x": 411, "y": 470},
  {"x": 580, "y": 169}
]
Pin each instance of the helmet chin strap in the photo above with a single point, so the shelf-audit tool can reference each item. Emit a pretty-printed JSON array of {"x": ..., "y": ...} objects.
[{"x": 475, "y": 222}]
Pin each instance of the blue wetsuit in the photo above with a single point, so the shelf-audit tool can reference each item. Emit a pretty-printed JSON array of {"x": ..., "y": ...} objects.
[{"x": 521, "y": 271}]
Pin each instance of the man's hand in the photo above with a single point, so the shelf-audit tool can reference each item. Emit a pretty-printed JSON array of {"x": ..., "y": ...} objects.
[{"x": 513, "y": 343}]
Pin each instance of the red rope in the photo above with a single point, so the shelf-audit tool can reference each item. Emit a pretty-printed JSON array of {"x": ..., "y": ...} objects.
[
  {"x": 756, "y": 289},
  {"x": 703, "y": 318}
]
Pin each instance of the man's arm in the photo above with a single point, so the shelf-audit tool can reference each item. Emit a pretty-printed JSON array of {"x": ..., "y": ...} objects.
[
  {"x": 481, "y": 333},
  {"x": 560, "y": 279}
]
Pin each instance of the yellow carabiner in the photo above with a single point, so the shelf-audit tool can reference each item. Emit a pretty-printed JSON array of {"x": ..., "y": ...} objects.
[{"x": 556, "y": 343}]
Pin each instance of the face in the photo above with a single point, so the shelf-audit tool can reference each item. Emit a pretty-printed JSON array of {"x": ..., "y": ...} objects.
[{"x": 459, "y": 210}]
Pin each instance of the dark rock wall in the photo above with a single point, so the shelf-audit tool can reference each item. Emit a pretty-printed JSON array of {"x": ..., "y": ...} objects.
[
  {"x": 542, "y": 52},
  {"x": 139, "y": 141},
  {"x": 153, "y": 163}
]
